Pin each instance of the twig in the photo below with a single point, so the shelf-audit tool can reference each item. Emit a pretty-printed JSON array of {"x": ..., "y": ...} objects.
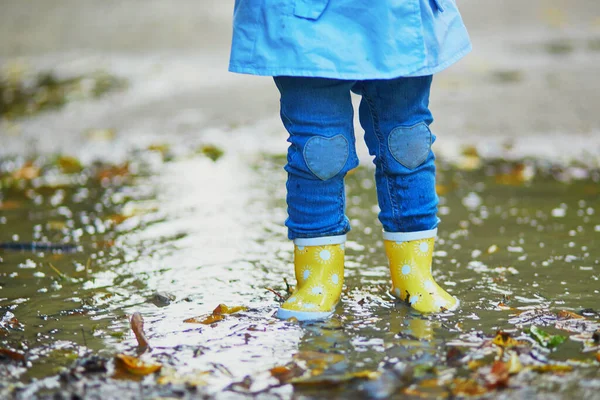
[{"x": 276, "y": 294}]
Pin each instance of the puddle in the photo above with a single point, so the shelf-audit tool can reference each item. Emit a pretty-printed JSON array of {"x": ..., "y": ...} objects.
[
  {"x": 24, "y": 95},
  {"x": 173, "y": 239}
]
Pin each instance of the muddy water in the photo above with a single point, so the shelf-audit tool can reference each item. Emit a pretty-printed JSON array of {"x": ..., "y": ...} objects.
[{"x": 517, "y": 243}]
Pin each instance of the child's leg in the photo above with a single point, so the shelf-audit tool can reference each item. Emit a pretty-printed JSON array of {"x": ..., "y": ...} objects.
[
  {"x": 318, "y": 115},
  {"x": 396, "y": 118}
]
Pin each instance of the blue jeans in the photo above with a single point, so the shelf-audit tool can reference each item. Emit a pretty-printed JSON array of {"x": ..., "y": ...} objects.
[{"x": 318, "y": 115}]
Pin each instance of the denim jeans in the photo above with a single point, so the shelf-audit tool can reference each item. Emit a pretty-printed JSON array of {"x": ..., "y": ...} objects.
[{"x": 394, "y": 114}]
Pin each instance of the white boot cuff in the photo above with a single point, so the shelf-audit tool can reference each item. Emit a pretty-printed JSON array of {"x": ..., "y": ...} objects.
[
  {"x": 320, "y": 241},
  {"x": 408, "y": 236}
]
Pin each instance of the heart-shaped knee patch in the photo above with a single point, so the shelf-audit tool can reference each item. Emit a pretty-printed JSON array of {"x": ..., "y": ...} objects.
[
  {"x": 326, "y": 157},
  {"x": 410, "y": 145}
]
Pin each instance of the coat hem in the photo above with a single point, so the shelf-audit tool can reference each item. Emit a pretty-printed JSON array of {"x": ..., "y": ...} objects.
[{"x": 400, "y": 73}]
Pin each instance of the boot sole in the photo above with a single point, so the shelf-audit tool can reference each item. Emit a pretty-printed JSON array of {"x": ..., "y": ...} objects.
[{"x": 284, "y": 314}]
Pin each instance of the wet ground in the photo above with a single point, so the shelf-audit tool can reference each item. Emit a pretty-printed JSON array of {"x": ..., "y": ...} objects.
[{"x": 133, "y": 208}]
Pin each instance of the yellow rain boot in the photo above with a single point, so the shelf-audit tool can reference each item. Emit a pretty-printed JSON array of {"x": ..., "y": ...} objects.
[
  {"x": 410, "y": 256},
  {"x": 319, "y": 275}
]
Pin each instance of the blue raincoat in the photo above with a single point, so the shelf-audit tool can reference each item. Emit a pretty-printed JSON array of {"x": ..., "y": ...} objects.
[{"x": 346, "y": 39}]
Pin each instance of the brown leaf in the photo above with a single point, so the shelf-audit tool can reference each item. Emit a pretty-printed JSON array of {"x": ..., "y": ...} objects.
[
  {"x": 564, "y": 314},
  {"x": 454, "y": 357},
  {"x": 13, "y": 355},
  {"x": 282, "y": 373},
  {"x": 113, "y": 171},
  {"x": 136, "y": 366},
  {"x": 27, "y": 172},
  {"x": 497, "y": 377},
  {"x": 10, "y": 205},
  {"x": 137, "y": 326}
]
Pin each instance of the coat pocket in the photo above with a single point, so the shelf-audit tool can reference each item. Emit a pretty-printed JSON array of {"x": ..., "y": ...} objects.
[{"x": 310, "y": 9}]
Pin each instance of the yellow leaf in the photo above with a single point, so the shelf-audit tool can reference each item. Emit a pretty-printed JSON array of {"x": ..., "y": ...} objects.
[
  {"x": 223, "y": 309},
  {"x": 474, "y": 364},
  {"x": 552, "y": 368},
  {"x": 518, "y": 175},
  {"x": 463, "y": 386},
  {"x": 217, "y": 315},
  {"x": 514, "y": 364},
  {"x": 504, "y": 339},
  {"x": 136, "y": 366},
  {"x": 334, "y": 380},
  {"x": 56, "y": 225},
  {"x": 69, "y": 165},
  {"x": 205, "y": 320},
  {"x": 211, "y": 151}
]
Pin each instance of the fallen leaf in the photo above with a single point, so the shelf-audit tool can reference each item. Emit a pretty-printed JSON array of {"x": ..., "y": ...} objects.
[
  {"x": 69, "y": 165},
  {"x": 475, "y": 364},
  {"x": 205, "y": 320},
  {"x": 55, "y": 225},
  {"x": 282, "y": 373},
  {"x": 463, "y": 386},
  {"x": 13, "y": 355},
  {"x": 113, "y": 171},
  {"x": 598, "y": 356},
  {"x": 211, "y": 151},
  {"x": 552, "y": 368},
  {"x": 503, "y": 339},
  {"x": 503, "y": 306},
  {"x": 161, "y": 148},
  {"x": 27, "y": 172},
  {"x": 544, "y": 338},
  {"x": 497, "y": 376},
  {"x": 454, "y": 357},
  {"x": 335, "y": 380},
  {"x": 518, "y": 175},
  {"x": 223, "y": 309},
  {"x": 564, "y": 314},
  {"x": 470, "y": 159},
  {"x": 514, "y": 364},
  {"x": 118, "y": 219},
  {"x": 217, "y": 315},
  {"x": 136, "y": 366},
  {"x": 137, "y": 326},
  {"x": 10, "y": 205}
]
